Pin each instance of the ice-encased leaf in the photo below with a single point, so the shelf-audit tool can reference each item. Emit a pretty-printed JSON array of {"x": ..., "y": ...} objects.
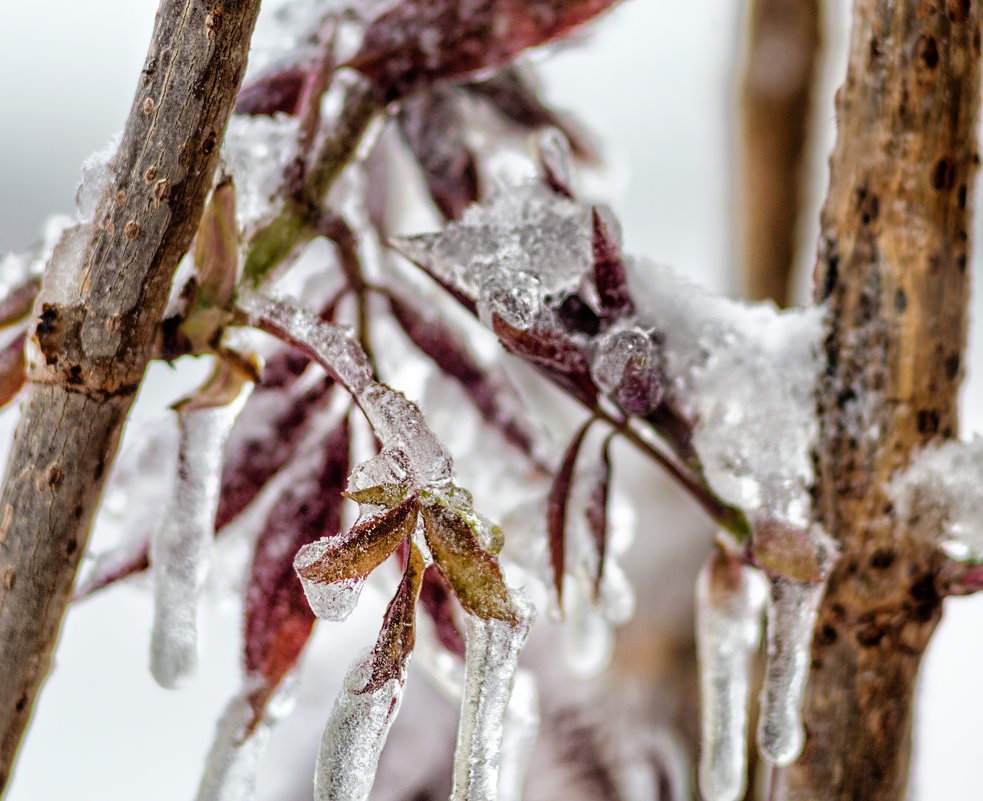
[
  {"x": 216, "y": 247},
  {"x": 232, "y": 762},
  {"x": 331, "y": 570},
  {"x": 436, "y": 599},
  {"x": 181, "y": 546},
  {"x": 792, "y": 608},
  {"x": 472, "y": 572},
  {"x": 610, "y": 277},
  {"x": 419, "y": 42},
  {"x": 729, "y": 603},
  {"x": 556, "y": 505},
  {"x": 12, "y": 369},
  {"x": 626, "y": 365},
  {"x": 278, "y": 618},
  {"x": 490, "y": 667},
  {"x": 354, "y": 735}
]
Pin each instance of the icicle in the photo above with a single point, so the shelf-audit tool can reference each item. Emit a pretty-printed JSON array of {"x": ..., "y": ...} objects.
[
  {"x": 354, "y": 736},
  {"x": 792, "y": 609},
  {"x": 490, "y": 666},
  {"x": 230, "y": 770},
  {"x": 181, "y": 547},
  {"x": 518, "y": 736},
  {"x": 588, "y": 636},
  {"x": 729, "y": 598}
]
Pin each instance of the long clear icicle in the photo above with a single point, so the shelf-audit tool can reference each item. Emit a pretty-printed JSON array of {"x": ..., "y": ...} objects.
[
  {"x": 230, "y": 770},
  {"x": 354, "y": 736},
  {"x": 518, "y": 736},
  {"x": 729, "y": 600},
  {"x": 792, "y": 609},
  {"x": 491, "y": 663},
  {"x": 181, "y": 547}
]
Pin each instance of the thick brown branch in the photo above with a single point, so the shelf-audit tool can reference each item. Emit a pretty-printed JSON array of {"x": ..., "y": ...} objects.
[
  {"x": 91, "y": 341},
  {"x": 892, "y": 267},
  {"x": 776, "y": 98}
]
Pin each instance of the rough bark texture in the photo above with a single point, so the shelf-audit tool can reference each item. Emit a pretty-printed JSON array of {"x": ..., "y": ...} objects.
[
  {"x": 91, "y": 339},
  {"x": 892, "y": 267},
  {"x": 775, "y": 103}
]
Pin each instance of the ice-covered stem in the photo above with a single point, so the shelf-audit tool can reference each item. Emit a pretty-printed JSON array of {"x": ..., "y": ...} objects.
[
  {"x": 776, "y": 95},
  {"x": 892, "y": 268},
  {"x": 90, "y": 354},
  {"x": 490, "y": 666}
]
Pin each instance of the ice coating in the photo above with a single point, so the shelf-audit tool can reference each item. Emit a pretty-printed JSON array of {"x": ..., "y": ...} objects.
[
  {"x": 230, "y": 769},
  {"x": 354, "y": 736},
  {"x": 792, "y": 608},
  {"x": 398, "y": 423},
  {"x": 518, "y": 736},
  {"x": 181, "y": 547},
  {"x": 96, "y": 180},
  {"x": 256, "y": 151},
  {"x": 588, "y": 636},
  {"x": 490, "y": 667},
  {"x": 729, "y": 601},
  {"x": 625, "y": 365},
  {"x": 747, "y": 374},
  {"x": 941, "y": 487},
  {"x": 334, "y": 601}
]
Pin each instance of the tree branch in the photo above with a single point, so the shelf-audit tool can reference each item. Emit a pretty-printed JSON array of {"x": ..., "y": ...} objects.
[
  {"x": 90, "y": 345},
  {"x": 892, "y": 267}
]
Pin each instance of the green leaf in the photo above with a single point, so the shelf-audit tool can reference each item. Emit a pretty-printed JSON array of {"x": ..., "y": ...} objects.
[
  {"x": 388, "y": 495},
  {"x": 473, "y": 573},
  {"x": 367, "y": 544}
]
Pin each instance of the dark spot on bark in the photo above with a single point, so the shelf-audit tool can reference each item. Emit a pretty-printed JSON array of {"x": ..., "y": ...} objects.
[
  {"x": 900, "y": 301},
  {"x": 838, "y": 610},
  {"x": 961, "y": 263},
  {"x": 927, "y": 51},
  {"x": 826, "y": 635},
  {"x": 8, "y": 579},
  {"x": 213, "y": 23},
  {"x": 870, "y": 636},
  {"x": 852, "y": 566},
  {"x": 845, "y": 396},
  {"x": 947, "y": 431},
  {"x": 70, "y": 547},
  {"x": 74, "y": 376},
  {"x": 944, "y": 174},
  {"x": 952, "y": 365},
  {"x": 208, "y": 145},
  {"x": 100, "y": 468},
  {"x": 148, "y": 71},
  {"x": 21, "y": 703},
  {"x": 961, "y": 197},
  {"x": 928, "y": 421},
  {"x": 926, "y": 598},
  {"x": 875, "y": 48},
  {"x": 150, "y": 174},
  {"x": 54, "y": 475},
  {"x": 48, "y": 321},
  {"x": 882, "y": 558},
  {"x": 77, "y": 511},
  {"x": 868, "y": 204},
  {"x": 162, "y": 190},
  {"x": 958, "y": 10}
]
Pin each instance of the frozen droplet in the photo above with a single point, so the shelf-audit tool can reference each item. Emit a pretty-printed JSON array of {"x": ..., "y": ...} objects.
[
  {"x": 616, "y": 597},
  {"x": 515, "y": 298},
  {"x": 729, "y": 599},
  {"x": 232, "y": 763},
  {"x": 626, "y": 366},
  {"x": 518, "y": 736},
  {"x": 491, "y": 662},
  {"x": 334, "y": 601},
  {"x": 792, "y": 609},
  {"x": 588, "y": 637},
  {"x": 555, "y": 156},
  {"x": 181, "y": 547},
  {"x": 354, "y": 736}
]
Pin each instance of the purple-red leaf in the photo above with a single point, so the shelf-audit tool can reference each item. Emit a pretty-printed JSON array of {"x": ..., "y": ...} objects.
[
  {"x": 135, "y": 562},
  {"x": 610, "y": 277},
  {"x": 597, "y": 512},
  {"x": 216, "y": 247},
  {"x": 422, "y": 41},
  {"x": 435, "y": 595},
  {"x": 430, "y": 123},
  {"x": 490, "y": 395},
  {"x": 19, "y": 302},
  {"x": 367, "y": 545},
  {"x": 276, "y": 92},
  {"x": 559, "y": 356},
  {"x": 471, "y": 571},
  {"x": 278, "y": 619},
  {"x": 398, "y": 633},
  {"x": 12, "y": 369},
  {"x": 556, "y": 509}
]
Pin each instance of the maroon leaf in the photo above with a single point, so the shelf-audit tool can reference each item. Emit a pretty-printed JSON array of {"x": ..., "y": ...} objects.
[
  {"x": 12, "y": 369},
  {"x": 430, "y": 124},
  {"x": 610, "y": 277},
  {"x": 562, "y": 358},
  {"x": 422, "y": 41},
  {"x": 435, "y": 595},
  {"x": 278, "y": 619},
  {"x": 134, "y": 562},
  {"x": 398, "y": 633},
  {"x": 514, "y": 96},
  {"x": 471, "y": 571},
  {"x": 597, "y": 511},
  {"x": 19, "y": 302},
  {"x": 491, "y": 395},
  {"x": 366, "y": 545},
  {"x": 556, "y": 509},
  {"x": 276, "y": 92}
]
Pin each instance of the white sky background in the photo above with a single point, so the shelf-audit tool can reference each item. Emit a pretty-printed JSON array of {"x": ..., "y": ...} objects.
[{"x": 654, "y": 82}]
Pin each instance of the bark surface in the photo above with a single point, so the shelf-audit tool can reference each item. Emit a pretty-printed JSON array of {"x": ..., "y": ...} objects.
[
  {"x": 776, "y": 99},
  {"x": 96, "y": 319},
  {"x": 893, "y": 268}
]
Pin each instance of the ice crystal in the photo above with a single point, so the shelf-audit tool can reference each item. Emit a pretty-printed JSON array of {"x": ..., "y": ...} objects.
[{"x": 230, "y": 769}]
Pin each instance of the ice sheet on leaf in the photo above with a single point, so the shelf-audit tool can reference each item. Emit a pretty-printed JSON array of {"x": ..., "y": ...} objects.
[
  {"x": 747, "y": 375},
  {"x": 942, "y": 488},
  {"x": 232, "y": 762},
  {"x": 181, "y": 547}
]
